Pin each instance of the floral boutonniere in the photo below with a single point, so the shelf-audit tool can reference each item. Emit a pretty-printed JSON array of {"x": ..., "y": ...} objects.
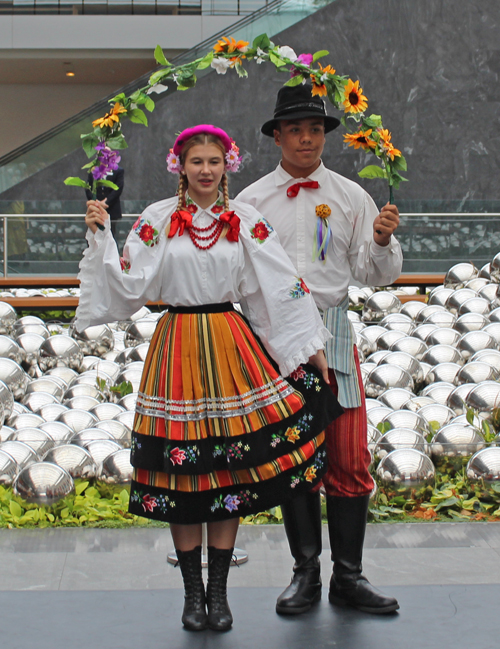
[{"x": 323, "y": 232}]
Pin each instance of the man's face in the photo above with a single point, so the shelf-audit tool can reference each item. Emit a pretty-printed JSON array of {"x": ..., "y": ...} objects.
[{"x": 302, "y": 142}]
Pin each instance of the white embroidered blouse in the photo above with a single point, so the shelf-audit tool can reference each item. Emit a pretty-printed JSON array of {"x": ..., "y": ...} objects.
[{"x": 255, "y": 271}]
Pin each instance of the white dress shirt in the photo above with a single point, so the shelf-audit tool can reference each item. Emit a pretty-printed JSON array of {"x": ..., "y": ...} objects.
[
  {"x": 352, "y": 252},
  {"x": 256, "y": 272}
]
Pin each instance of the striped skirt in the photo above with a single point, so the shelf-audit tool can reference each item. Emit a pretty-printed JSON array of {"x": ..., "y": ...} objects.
[{"x": 218, "y": 433}]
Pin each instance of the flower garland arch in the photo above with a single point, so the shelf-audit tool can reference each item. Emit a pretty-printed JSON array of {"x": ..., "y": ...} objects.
[{"x": 365, "y": 132}]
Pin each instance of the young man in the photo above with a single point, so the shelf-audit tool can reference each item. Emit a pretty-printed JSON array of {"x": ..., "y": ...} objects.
[{"x": 362, "y": 245}]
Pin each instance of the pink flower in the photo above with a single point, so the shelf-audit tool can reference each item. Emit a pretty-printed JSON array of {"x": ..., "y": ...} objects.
[
  {"x": 297, "y": 374},
  {"x": 305, "y": 59},
  {"x": 173, "y": 163},
  {"x": 149, "y": 503},
  {"x": 233, "y": 159},
  {"x": 177, "y": 456}
]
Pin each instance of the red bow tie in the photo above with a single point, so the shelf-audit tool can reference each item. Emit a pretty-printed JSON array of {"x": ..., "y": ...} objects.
[
  {"x": 180, "y": 220},
  {"x": 293, "y": 190},
  {"x": 234, "y": 225}
]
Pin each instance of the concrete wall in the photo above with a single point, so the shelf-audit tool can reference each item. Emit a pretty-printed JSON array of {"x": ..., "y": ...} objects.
[{"x": 429, "y": 67}]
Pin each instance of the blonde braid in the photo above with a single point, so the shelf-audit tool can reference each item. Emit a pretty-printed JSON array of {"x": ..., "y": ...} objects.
[
  {"x": 181, "y": 190},
  {"x": 225, "y": 191}
]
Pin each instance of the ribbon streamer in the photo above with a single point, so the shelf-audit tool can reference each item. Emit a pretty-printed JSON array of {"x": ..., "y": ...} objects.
[{"x": 322, "y": 238}]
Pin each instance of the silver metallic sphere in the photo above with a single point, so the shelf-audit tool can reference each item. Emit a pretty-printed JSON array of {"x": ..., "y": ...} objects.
[
  {"x": 456, "y": 400},
  {"x": 442, "y": 354},
  {"x": 406, "y": 419},
  {"x": 440, "y": 295},
  {"x": 398, "y": 322},
  {"x": 410, "y": 345},
  {"x": 475, "y": 341},
  {"x": 51, "y": 411},
  {"x": 371, "y": 333},
  {"x": 398, "y": 438},
  {"x": 84, "y": 437},
  {"x": 453, "y": 445},
  {"x": 443, "y": 372},
  {"x": 484, "y": 398},
  {"x": 76, "y": 460},
  {"x": 372, "y": 403},
  {"x": 377, "y": 415},
  {"x": 395, "y": 397},
  {"x": 423, "y": 331},
  {"x": 100, "y": 449},
  {"x": 8, "y": 317},
  {"x": 6, "y": 433},
  {"x": 30, "y": 343},
  {"x": 6, "y": 399},
  {"x": 490, "y": 356},
  {"x": 459, "y": 297},
  {"x": 122, "y": 358},
  {"x": 27, "y": 420},
  {"x": 439, "y": 392},
  {"x": 412, "y": 308},
  {"x": 110, "y": 368},
  {"x": 428, "y": 310},
  {"x": 10, "y": 349},
  {"x": 60, "y": 351},
  {"x": 406, "y": 471},
  {"x": 483, "y": 472},
  {"x": 490, "y": 292},
  {"x": 475, "y": 305},
  {"x": 106, "y": 411},
  {"x": 120, "y": 432},
  {"x": 477, "y": 284},
  {"x": 59, "y": 432},
  {"x": 39, "y": 440},
  {"x": 415, "y": 403},
  {"x": 441, "y": 319},
  {"x": 37, "y": 400},
  {"x": 384, "y": 377},
  {"x": 476, "y": 372},
  {"x": 363, "y": 346},
  {"x": 87, "y": 362},
  {"x": 94, "y": 341},
  {"x": 436, "y": 415},
  {"x": 8, "y": 468},
  {"x": 138, "y": 315},
  {"x": 77, "y": 420},
  {"x": 83, "y": 390},
  {"x": 470, "y": 322},
  {"x": 37, "y": 329},
  {"x": 116, "y": 468},
  {"x": 139, "y": 332},
  {"x": 459, "y": 274},
  {"x": 485, "y": 272},
  {"x": 128, "y": 401},
  {"x": 443, "y": 336},
  {"x": 406, "y": 362},
  {"x": 46, "y": 384},
  {"x": 494, "y": 330},
  {"x": 385, "y": 341},
  {"x": 65, "y": 374},
  {"x": 14, "y": 377},
  {"x": 127, "y": 417},
  {"x": 43, "y": 483},
  {"x": 379, "y": 305},
  {"x": 377, "y": 356},
  {"x": 21, "y": 452}
]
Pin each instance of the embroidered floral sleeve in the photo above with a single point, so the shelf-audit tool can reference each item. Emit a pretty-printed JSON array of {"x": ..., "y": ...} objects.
[
  {"x": 261, "y": 230},
  {"x": 146, "y": 232}
]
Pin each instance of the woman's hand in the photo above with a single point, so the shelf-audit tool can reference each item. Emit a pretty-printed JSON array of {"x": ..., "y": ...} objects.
[
  {"x": 96, "y": 213},
  {"x": 319, "y": 362}
]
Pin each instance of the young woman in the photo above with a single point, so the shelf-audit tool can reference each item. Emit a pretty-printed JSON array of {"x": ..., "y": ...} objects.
[{"x": 218, "y": 433}]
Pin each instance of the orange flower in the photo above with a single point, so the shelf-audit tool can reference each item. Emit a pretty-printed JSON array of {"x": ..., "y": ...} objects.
[
  {"x": 292, "y": 434},
  {"x": 327, "y": 70},
  {"x": 229, "y": 45},
  {"x": 318, "y": 88},
  {"x": 310, "y": 473},
  {"x": 386, "y": 145},
  {"x": 355, "y": 101},
  {"x": 111, "y": 117},
  {"x": 323, "y": 211},
  {"x": 361, "y": 139}
]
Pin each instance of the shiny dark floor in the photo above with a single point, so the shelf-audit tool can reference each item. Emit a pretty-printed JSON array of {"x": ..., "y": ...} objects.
[{"x": 72, "y": 589}]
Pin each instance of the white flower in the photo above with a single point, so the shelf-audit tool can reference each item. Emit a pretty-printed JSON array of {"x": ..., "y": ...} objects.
[
  {"x": 220, "y": 65},
  {"x": 158, "y": 88},
  {"x": 261, "y": 56},
  {"x": 287, "y": 52}
]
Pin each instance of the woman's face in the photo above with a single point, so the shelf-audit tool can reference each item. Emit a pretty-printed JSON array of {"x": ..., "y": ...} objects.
[{"x": 204, "y": 167}]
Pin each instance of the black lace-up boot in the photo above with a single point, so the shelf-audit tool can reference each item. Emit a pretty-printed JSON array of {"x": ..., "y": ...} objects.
[
  {"x": 194, "y": 616},
  {"x": 219, "y": 613}
]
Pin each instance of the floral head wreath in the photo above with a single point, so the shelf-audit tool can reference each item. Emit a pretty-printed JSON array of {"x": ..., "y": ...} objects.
[{"x": 233, "y": 159}]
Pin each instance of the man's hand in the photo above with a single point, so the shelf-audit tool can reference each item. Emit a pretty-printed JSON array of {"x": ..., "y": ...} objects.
[
  {"x": 319, "y": 362},
  {"x": 385, "y": 224},
  {"x": 96, "y": 213}
]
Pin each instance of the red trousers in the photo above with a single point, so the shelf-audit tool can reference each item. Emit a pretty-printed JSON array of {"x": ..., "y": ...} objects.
[{"x": 347, "y": 451}]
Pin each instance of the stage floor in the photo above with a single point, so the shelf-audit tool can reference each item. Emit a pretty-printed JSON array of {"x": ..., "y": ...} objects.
[{"x": 76, "y": 589}]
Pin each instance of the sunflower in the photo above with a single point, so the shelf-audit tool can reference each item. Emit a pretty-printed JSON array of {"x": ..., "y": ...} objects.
[
  {"x": 111, "y": 117},
  {"x": 355, "y": 101},
  {"x": 229, "y": 45},
  {"x": 386, "y": 145},
  {"x": 327, "y": 70},
  {"x": 318, "y": 88},
  {"x": 361, "y": 139}
]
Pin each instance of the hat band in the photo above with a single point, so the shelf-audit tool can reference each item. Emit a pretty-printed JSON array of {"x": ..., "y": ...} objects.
[{"x": 309, "y": 105}]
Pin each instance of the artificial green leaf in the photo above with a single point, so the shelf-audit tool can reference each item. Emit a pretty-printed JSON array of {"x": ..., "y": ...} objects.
[
  {"x": 261, "y": 41},
  {"x": 470, "y": 416},
  {"x": 121, "y": 97},
  {"x": 136, "y": 96},
  {"x": 295, "y": 81},
  {"x": 159, "y": 75},
  {"x": 399, "y": 163},
  {"x": 149, "y": 104},
  {"x": 205, "y": 61},
  {"x": 107, "y": 183},
  {"x": 372, "y": 171},
  {"x": 160, "y": 57},
  {"x": 76, "y": 182},
  {"x": 137, "y": 116},
  {"x": 80, "y": 488},
  {"x": 117, "y": 142},
  {"x": 89, "y": 141},
  {"x": 449, "y": 502},
  {"x": 375, "y": 121},
  {"x": 242, "y": 73},
  {"x": 276, "y": 60},
  {"x": 15, "y": 508},
  {"x": 320, "y": 54}
]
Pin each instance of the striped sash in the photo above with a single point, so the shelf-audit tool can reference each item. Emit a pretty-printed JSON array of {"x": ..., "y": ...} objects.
[{"x": 340, "y": 354}]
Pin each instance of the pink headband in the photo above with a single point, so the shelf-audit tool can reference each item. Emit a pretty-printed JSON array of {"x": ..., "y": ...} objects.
[{"x": 202, "y": 128}]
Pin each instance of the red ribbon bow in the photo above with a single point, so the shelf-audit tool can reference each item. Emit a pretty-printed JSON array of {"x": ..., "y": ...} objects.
[
  {"x": 233, "y": 221},
  {"x": 180, "y": 220},
  {"x": 293, "y": 190}
]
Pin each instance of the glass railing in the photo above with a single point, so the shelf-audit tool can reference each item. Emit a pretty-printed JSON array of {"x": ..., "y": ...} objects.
[
  {"x": 54, "y": 144},
  {"x": 53, "y": 243},
  {"x": 132, "y": 7}
]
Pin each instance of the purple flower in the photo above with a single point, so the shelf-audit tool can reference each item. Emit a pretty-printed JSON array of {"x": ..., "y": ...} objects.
[
  {"x": 231, "y": 503},
  {"x": 107, "y": 161},
  {"x": 305, "y": 59}
]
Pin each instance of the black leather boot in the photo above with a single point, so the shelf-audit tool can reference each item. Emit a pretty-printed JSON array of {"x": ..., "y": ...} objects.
[
  {"x": 348, "y": 587},
  {"x": 219, "y": 613},
  {"x": 302, "y": 519},
  {"x": 194, "y": 616}
]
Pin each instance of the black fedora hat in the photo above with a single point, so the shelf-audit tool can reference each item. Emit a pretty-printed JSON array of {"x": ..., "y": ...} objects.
[{"x": 297, "y": 102}]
